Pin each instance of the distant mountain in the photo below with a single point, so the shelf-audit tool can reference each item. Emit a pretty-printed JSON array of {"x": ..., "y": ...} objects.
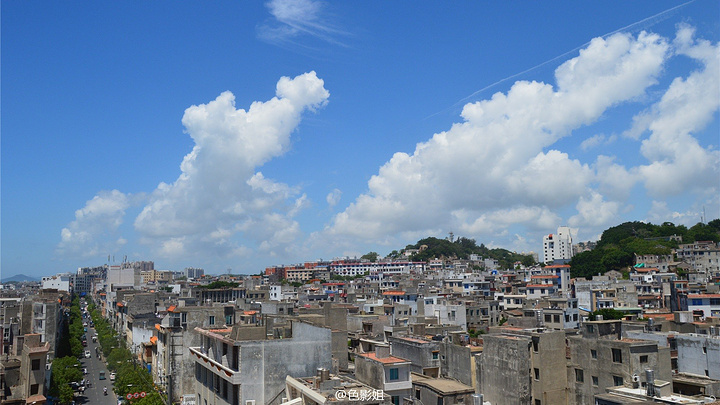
[{"x": 19, "y": 277}]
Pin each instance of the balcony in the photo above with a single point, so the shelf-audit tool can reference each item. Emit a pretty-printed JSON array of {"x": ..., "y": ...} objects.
[{"x": 226, "y": 373}]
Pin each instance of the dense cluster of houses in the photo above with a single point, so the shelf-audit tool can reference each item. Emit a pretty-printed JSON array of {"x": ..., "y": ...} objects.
[{"x": 352, "y": 331}]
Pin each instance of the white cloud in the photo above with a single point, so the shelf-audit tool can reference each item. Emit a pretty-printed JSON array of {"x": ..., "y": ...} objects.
[
  {"x": 614, "y": 180},
  {"x": 295, "y": 19},
  {"x": 219, "y": 202},
  {"x": 483, "y": 173},
  {"x": 595, "y": 212},
  {"x": 333, "y": 197},
  {"x": 678, "y": 163},
  {"x": 597, "y": 140},
  {"x": 93, "y": 232}
]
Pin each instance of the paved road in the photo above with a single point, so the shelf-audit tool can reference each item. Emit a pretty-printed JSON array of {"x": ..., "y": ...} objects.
[{"x": 94, "y": 394}]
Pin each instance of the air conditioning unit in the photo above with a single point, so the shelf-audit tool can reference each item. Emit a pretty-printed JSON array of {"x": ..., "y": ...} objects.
[{"x": 635, "y": 378}]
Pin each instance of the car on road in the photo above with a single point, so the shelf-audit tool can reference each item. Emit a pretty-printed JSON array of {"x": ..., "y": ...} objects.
[
  {"x": 112, "y": 376},
  {"x": 102, "y": 375},
  {"x": 87, "y": 354}
]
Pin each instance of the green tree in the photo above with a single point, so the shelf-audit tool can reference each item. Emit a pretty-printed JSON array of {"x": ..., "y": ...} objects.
[
  {"x": 607, "y": 314},
  {"x": 371, "y": 256}
]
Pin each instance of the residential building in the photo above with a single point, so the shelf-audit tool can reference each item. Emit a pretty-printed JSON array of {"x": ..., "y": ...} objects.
[
  {"x": 385, "y": 372},
  {"x": 246, "y": 365},
  {"x": 557, "y": 246}
]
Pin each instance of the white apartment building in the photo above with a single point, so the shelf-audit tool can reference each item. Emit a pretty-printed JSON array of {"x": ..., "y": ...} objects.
[{"x": 557, "y": 246}]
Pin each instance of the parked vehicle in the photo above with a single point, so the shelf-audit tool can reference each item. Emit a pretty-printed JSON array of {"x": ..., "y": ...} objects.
[
  {"x": 101, "y": 376},
  {"x": 112, "y": 376},
  {"x": 87, "y": 354}
]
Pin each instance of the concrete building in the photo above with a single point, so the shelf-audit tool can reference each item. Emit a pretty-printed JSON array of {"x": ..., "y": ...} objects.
[
  {"x": 325, "y": 388},
  {"x": 705, "y": 304},
  {"x": 698, "y": 355},
  {"x": 22, "y": 373},
  {"x": 60, "y": 282},
  {"x": 557, "y": 246},
  {"x": 428, "y": 390},
  {"x": 523, "y": 367},
  {"x": 385, "y": 372},
  {"x": 243, "y": 365},
  {"x": 704, "y": 257},
  {"x": 192, "y": 272},
  {"x": 601, "y": 358},
  {"x": 172, "y": 368}
]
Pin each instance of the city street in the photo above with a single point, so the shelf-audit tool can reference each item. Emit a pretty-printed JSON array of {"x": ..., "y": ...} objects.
[{"x": 94, "y": 394}]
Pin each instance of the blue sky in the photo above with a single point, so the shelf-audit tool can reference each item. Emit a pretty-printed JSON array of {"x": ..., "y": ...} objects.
[{"x": 238, "y": 135}]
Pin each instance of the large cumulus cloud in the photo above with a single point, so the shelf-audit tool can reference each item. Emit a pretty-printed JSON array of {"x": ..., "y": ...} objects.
[
  {"x": 497, "y": 167},
  {"x": 219, "y": 195}
]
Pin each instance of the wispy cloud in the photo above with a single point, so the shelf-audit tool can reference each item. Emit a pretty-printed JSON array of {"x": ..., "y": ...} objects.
[{"x": 296, "y": 19}]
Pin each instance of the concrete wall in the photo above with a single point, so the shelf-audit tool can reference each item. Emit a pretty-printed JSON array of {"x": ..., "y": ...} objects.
[
  {"x": 504, "y": 370},
  {"x": 419, "y": 354},
  {"x": 698, "y": 355},
  {"x": 456, "y": 362},
  {"x": 265, "y": 363}
]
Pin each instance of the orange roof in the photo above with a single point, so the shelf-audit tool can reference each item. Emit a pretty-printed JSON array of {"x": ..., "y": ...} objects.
[
  {"x": 703, "y": 295},
  {"x": 384, "y": 360},
  {"x": 249, "y": 312},
  {"x": 540, "y": 285},
  {"x": 157, "y": 326},
  {"x": 545, "y": 276},
  {"x": 557, "y": 266},
  {"x": 120, "y": 304},
  {"x": 171, "y": 308},
  {"x": 394, "y": 293},
  {"x": 669, "y": 317},
  {"x": 153, "y": 339}
]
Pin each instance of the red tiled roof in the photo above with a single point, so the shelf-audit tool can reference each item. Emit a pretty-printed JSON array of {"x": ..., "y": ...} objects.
[
  {"x": 384, "y": 360},
  {"x": 171, "y": 308},
  {"x": 703, "y": 295},
  {"x": 545, "y": 276},
  {"x": 394, "y": 293}
]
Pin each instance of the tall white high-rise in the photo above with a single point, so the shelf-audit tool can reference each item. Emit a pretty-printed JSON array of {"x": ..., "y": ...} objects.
[{"x": 557, "y": 246}]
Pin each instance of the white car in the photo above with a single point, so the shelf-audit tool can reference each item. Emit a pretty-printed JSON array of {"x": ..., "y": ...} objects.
[
  {"x": 112, "y": 376},
  {"x": 87, "y": 354}
]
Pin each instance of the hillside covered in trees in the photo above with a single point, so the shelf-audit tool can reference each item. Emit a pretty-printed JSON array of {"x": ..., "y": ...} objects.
[
  {"x": 615, "y": 250},
  {"x": 618, "y": 245},
  {"x": 462, "y": 248}
]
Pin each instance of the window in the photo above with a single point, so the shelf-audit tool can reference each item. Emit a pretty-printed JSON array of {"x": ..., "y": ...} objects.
[
  {"x": 536, "y": 372},
  {"x": 704, "y": 350},
  {"x": 643, "y": 359},
  {"x": 696, "y": 301},
  {"x": 617, "y": 356},
  {"x": 579, "y": 376},
  {"x": 714, "y": 301},
  {"x": 538, "y": 402},
  {"x": 394, "y": 374},
  {"x": 417, "y": 394},
  {"x": 593, "y": 353},
  {"x": 228, "y": 319},
  {"x": 435, "y": 355},
  {"x": 548, "y": 318},
  {"x": 211, "y": 321},
  {"x": 395, "y": 400},
  {"x": 556, "y": 318},
  {"x": 36, "y": 364},
  {"x": 34, "y": 389},
  {"x": 617, "y": 381},
  {"x": 595, "y": 381},
  {"x": 591, "y": 328}
]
